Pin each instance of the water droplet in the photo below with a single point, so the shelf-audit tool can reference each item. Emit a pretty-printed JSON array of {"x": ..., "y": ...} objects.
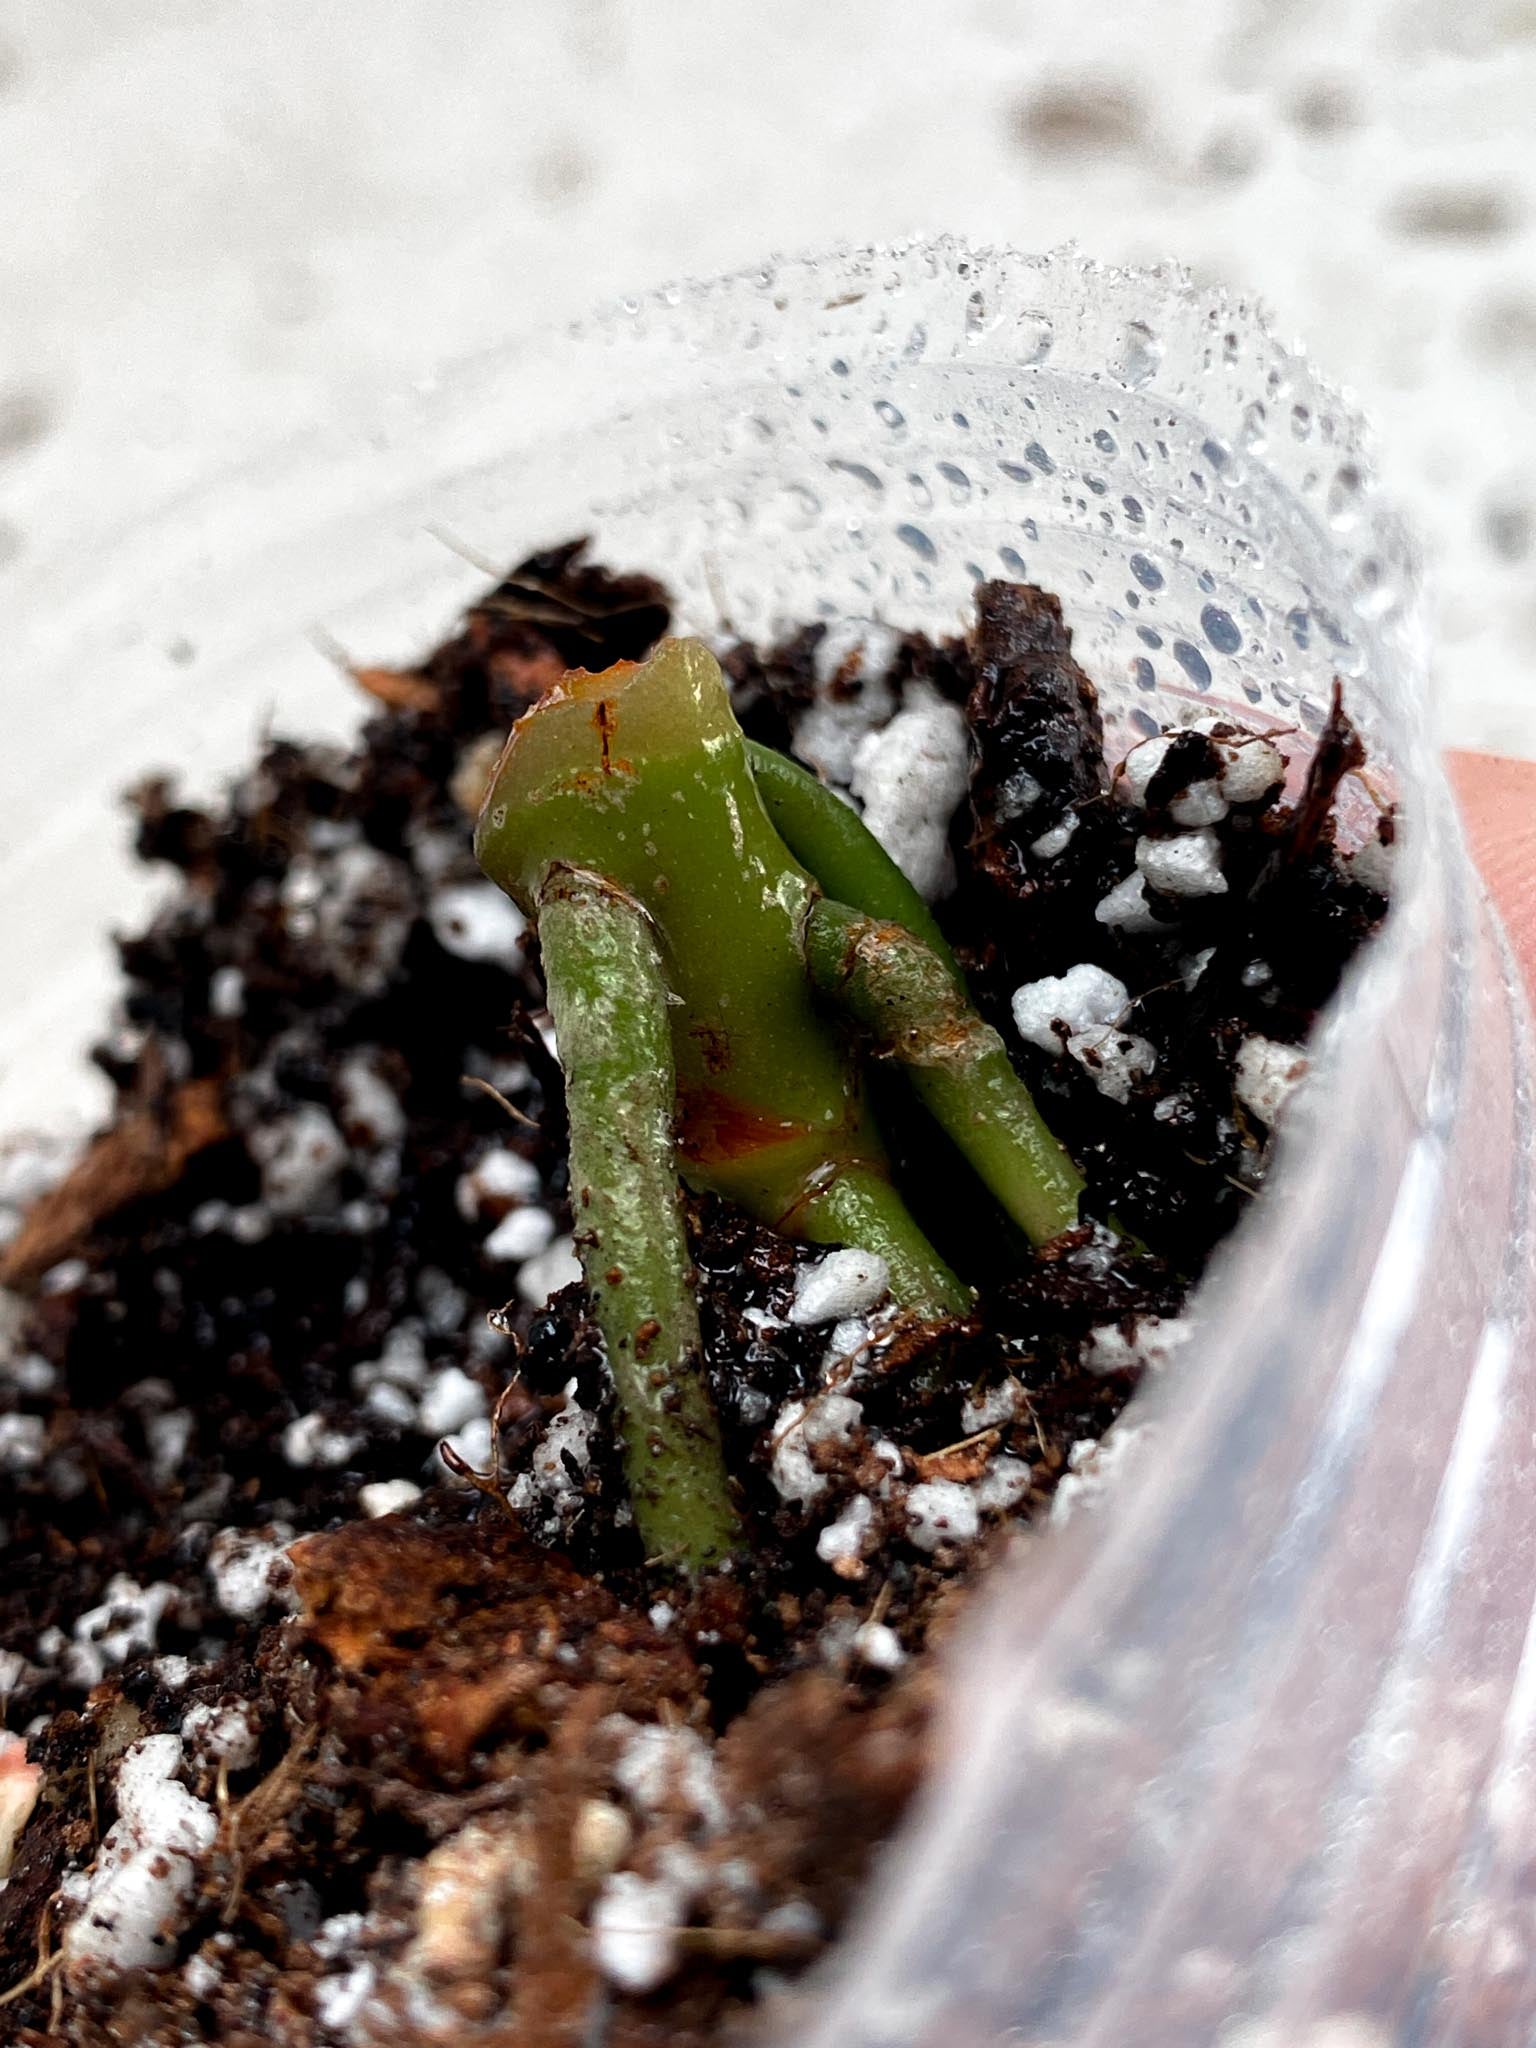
[
  {"x": 1133, "y": 511},
  {"x": 1220, "y": 629},
  {"x": 1143, "y": 674},
  {"x": 918, "y": 541},
  {"x": 1035, "y": 454},
  {"x": 839, "y": 367},
  {"x": 1193, "y": 663},
  {"x": 1105, "y": 442},
  {"x": 1147, "y": 574},
  {"x": 1013, "y": 562},
  {"x": 800, "y": 504},
  {"x": 1033, "y": 337},
  {"x": 1148, "y": 637},
  {"x": 861, "y": 472},
  {"x": 1145, "y": 723},
  {"x": 1255, "y": 428},
  {"x": 1216, "y": 453},
  {"x": 891, "y": 415},
  {"x": 916, "y": 343},
  {"x": 1345, "y": 494},
  {"x": 1030, "y": 530},
  {"x": 956, "y": 478},
  {"x": 977, "y": 317},
  {"x": 1135, "y": 361},
  {"x": 1301, "y": 422},
  {"x": 1017, "y": 472},
  {"x": 918, "y": 491},
  {"x": 1299, "y": 625},
  {"x": 1372, "y": 587}
]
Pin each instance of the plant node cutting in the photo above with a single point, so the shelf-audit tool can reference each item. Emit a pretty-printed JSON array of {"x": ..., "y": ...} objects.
[{"x": 695, "y": 970}]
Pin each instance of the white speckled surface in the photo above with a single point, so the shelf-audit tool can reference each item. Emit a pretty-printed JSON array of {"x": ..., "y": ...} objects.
[{"x": 223, "y": 219}]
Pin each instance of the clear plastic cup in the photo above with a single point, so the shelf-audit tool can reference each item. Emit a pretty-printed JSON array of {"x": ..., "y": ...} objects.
[{"x": 1245, "y": 1756}]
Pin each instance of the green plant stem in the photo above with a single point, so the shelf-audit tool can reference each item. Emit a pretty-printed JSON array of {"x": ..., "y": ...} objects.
[
  {"x": 829, "y": 838},
  {"x": 641, "y": 775},
  {"x": 609, "y": 1003},
  {"x": 904, "y": 996},
  {"x": 862, "y": 1208}
]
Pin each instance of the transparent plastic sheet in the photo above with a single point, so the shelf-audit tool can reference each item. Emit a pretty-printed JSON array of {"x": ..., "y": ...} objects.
[{"x": 1246, "y": 1756}]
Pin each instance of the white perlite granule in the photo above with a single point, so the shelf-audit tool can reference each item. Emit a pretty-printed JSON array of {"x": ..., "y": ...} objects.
[
  {"x": 300, "y": 1155},
  {"x": 133, "y": 1899},
  {"x": 450, "y": 1401},
  {"x": 249, "y": 1569},
  {"x": 311, "y": 1441},
  {"x": 941, "y": 1512},
  {"x": 222, "y": 1734},
  {"x": 844, "y": 1283},
  {"x": 521, "y": 1234},
  {"x": 125, "y": 1625},
  {"x": 1057, "y": 840},
  {"x": 497, "y": 1179},
  {"x": 1156, "y": 1341},
  {"x": 1128, "y": 908},
  {"x": 828, "y": 1418},
  {"x": 841, "y": 1543},
  {"x": 1189, "y": 865},
  {"x": 475, "y": 921},
  {"x": 548, "y": 1272},
  {"x": 909, "y": 778},
  {"x": 387, "y": 1496},
  {"x": 1267, "y": 1074},
  {"x": 1078, "y": 1012},
  {"x": 661, "y": 1767},
  {"x": 635, "y": 1925}
]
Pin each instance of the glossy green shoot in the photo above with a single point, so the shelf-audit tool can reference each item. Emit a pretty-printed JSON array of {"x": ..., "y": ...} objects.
[
  {"x": 609, "y": 1003},
  {"x": 641, "y": 775},
  {"x": 828, "y": 837},
  {"x": 905, "y": 998}
]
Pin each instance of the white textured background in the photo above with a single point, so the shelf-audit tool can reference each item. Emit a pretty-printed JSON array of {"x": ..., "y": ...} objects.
[{"x": 222, "y": 216}]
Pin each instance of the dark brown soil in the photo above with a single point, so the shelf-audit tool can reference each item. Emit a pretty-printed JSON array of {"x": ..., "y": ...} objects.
[{"x": 469, "y": 1728}]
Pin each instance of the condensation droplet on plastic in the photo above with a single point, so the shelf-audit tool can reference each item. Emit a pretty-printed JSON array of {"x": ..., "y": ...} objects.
[
  {"x": 977, "y": 318},
  {"x": 918, "y": 491},
  {"x": 918, "y": 541},
  {"x": 861, "y": 472},
  {"x": 1254, "y": 431},
  {"x": 1220, "y": 629},
  {"x": 1301, "y": 422},
  {"x": 1013, "y": 562},
  {"x": 1345, "y": 495},
  {"x": 1137, "y": 356},
  {"x": 1193, "y": 663},
  {"x": 1147, "y": 574},
  {"x": 800, "y": 503},
  {"x": 890, "y": 415},
  {"x": 1038, "y": 458},
  {"x": 1105, "y": 442},
  {"x": 956, "y": 478},
  {"x": 1034, "y": 335}
]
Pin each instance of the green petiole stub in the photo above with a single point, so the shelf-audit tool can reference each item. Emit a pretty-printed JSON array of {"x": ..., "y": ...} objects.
[{"x": 712, "y": 1009}]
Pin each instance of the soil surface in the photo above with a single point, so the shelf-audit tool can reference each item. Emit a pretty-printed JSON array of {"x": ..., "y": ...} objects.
[{"x": 324, "y": 1734}]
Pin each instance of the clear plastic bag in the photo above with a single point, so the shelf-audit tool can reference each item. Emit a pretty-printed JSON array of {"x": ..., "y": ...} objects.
[{"x": 1246, "y": 1755}]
